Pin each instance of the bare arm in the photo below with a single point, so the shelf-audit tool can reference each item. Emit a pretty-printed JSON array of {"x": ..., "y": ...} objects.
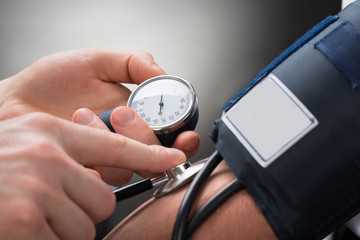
[{"x": 238, "y": 218}]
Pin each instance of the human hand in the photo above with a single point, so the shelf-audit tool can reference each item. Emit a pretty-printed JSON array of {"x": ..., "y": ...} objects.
[
  {"x": 128, "y": 123},
  {"x": 46, "y": 193},
  {"x": 63, "y": 82}
]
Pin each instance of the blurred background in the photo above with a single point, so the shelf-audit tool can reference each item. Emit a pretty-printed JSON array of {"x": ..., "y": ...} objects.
[{"x": 217, "y": 45}]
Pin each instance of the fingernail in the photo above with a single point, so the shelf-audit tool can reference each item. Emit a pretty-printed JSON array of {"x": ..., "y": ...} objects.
[
  {"x": 123, "y": 117},
  {"x": 192, "y": 145},
  {"x": 176, "y": 155},
  {"x": 84, "y": 117}
]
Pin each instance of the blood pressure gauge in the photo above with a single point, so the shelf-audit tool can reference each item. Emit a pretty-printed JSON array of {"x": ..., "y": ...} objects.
[{"x": 167, "y": 103}]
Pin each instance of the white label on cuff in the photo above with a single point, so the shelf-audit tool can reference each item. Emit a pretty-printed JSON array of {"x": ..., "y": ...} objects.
[{"x": 268, "y": 120}]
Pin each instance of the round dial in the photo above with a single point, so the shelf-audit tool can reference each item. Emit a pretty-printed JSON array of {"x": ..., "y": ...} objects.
[{"x": 165, "y": 102}]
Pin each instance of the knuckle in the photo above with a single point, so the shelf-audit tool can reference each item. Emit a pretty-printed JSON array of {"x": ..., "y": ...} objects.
[
  {"x": 41, "y": 149},
  {"x": 29, "y": 217},
  {"x": 35, "y": 117},
  {"x": 121, "y": 145},
  {"x": 44, "y": 145},
  {"x": 156, "y": 155},
  {"x": 39, "y": 120},
  {"x": 37, "y": 186}
]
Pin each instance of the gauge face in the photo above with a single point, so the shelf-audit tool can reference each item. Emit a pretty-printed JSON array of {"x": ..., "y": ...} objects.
[{"x": 163, "y": 101}]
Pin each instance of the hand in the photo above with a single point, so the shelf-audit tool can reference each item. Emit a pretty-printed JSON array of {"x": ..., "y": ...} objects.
[
  {"x": 63, "y": 82},
  {"x": 46, "y": 193},
  {"x": 128, "y": 123}
]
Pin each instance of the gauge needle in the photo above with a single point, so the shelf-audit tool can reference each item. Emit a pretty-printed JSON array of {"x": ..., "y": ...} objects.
[{"x": 161, "y": 104}]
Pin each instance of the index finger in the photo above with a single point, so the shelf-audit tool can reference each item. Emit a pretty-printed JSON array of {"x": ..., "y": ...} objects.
[{"x": 95, "y": 147}]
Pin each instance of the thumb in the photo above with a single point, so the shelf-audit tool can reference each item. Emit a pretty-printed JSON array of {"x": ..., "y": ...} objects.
[
  {"x": 143, "y": 66},
  {"x": 127, "y": 122}
]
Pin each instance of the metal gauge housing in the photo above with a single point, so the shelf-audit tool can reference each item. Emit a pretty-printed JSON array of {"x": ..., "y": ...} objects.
[{"x": 168, "y": 104}]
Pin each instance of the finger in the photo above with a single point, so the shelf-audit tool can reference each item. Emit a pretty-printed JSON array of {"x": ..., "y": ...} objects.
[
  {"x": 188, "y": 142},
  {"x": 78, "y": 226},
  {"x": 43, "y": 202},
  {"x": 96, "y": 147},
  {"x": 88, "y": 192},
  {"x": 72, "y": 198},
  {"x": 127, "y": 122},
  {"x": 114, "y": 176},
  {"x": 86, "y": 117},
  {"x": 27, "y": 220},
  {"x": 125, "y": 67},
  {"x": 142, "y": 66}
]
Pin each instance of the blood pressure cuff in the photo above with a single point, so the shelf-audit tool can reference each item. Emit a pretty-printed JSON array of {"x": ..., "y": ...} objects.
[{"x": 292, "y": 136}]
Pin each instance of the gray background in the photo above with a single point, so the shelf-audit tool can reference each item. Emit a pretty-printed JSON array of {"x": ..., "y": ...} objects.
[{"x": 217, "y": 45}]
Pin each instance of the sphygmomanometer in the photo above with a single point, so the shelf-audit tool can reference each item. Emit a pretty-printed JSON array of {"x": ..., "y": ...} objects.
[{"x": 291, "y": 136}]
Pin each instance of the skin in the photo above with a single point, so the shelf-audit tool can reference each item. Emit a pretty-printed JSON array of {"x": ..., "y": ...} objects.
[
  {"x": 127, "y": 122},
  {"x": 61, "y": 83},
  {"x": 48, "y": 186},
  {"x": 238, "y": 218},
  {"x": 43, "y": 181}
]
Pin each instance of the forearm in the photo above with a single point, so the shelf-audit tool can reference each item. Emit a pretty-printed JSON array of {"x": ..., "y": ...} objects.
[{"x": 238, "y": 218}]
